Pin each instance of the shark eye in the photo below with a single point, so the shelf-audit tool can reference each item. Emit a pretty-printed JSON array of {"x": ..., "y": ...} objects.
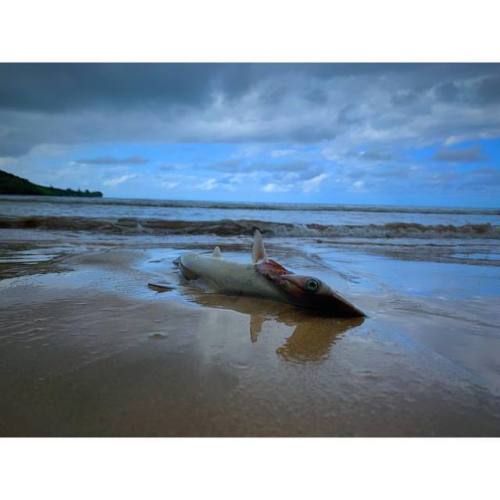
[{"x": 312, "y": 285}]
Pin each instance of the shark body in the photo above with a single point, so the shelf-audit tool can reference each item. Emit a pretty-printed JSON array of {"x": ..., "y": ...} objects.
[
  {"x": 227, "y": 277},
  {"x": 264, "y": 278}
]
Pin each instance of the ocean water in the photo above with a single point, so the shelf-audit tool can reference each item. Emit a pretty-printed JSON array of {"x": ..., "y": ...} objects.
[
  {"x": 269, "y": 212},
  {"x": 447, "y": 235},
  {"x": 232, "y": 219}
]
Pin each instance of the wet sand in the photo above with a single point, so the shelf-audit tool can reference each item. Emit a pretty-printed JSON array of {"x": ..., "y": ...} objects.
[{"x": 90, "y": 350}]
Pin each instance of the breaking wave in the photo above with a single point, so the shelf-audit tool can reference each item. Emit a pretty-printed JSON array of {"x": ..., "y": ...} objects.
[{"x": 230, "y": 227}]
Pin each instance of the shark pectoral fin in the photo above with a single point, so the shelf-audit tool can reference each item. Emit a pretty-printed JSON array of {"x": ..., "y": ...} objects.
[
  {"x": 258, "y": 250},
  {"x": 186, "y": 272},
  {"x": 217, "y": 253},
  {"x": 160, "y": 287}
]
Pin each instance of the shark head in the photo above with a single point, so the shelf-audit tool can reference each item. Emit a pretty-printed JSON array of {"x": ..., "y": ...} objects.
[
  {"x": 312, "y": 293},
  {"x": 303, "y": 291}
]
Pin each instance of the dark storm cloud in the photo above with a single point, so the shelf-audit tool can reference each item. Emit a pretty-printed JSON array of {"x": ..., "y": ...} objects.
[
  {"x": 58, "y": 87},
  {"x": 356, "y": 105},
  {"x": 55, "y": 87},
  {"x": 481, "y": 92},
  {"x": 407, "y": 97},
  {"x": 110, "y": 160},
  {"x": 448, "y": 92},
  {"x": 464, "y": 155},
  {"x": 488, "y": 90}
]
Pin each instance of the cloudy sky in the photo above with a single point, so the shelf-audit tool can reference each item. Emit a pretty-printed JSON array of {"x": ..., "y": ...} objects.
[{"x": 330, "y": 133}]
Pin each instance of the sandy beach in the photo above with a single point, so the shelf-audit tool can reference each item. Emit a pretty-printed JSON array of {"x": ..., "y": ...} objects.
[{"x": 88, "y": 349}]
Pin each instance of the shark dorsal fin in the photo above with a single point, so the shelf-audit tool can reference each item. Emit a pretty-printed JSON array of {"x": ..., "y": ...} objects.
[
  {"x": 258, "y": 250},
  {"x": 217, "y": 253}
]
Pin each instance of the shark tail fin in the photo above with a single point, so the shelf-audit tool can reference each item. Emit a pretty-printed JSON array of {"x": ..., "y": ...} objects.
[
  {"x": 217, "y": 253},
  {"x": 258, "y": 250}
]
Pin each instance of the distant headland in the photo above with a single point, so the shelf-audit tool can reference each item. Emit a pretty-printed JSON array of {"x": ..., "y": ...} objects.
[{"x": 12, "y": 184}]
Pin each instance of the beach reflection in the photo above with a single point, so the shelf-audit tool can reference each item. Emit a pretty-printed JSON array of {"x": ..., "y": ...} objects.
[
  {"x": 312, "y": 340},
  {"x": 313, "y": 335}
]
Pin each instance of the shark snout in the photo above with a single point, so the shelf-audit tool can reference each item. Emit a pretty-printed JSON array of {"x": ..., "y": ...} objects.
[{"x": 312, "y": 293}]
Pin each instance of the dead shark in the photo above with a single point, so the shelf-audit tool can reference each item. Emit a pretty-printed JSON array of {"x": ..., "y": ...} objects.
[{"x": 264, "y": 278}]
